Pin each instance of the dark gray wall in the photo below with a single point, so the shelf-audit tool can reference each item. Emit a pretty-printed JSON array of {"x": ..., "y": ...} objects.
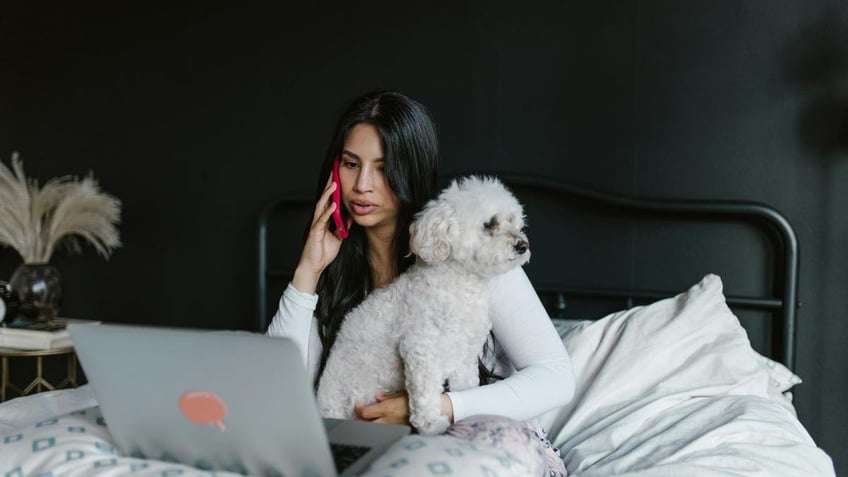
[{"x": 194, "y": 115}]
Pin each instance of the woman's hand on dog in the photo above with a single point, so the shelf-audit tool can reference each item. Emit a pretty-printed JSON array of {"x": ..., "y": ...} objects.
[
  {"x": 393, "y": 408},
  {"x": 322, "y": 246}
]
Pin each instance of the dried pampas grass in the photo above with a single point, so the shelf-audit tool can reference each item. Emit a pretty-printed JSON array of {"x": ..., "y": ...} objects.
[{"x": 34, "y": 221}]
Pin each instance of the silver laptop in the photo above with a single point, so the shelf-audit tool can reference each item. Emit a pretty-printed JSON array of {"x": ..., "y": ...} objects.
[{"x": 219, "y": 400}]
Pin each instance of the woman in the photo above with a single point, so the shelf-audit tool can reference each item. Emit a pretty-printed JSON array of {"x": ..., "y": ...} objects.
[{"x": 387, "y": 146}]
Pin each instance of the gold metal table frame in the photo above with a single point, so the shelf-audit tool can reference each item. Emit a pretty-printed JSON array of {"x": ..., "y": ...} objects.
[{"x": 39, "y": 383}]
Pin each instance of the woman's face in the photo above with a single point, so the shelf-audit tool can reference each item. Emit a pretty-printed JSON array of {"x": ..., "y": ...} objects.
[{"x": 365, "y": 192}]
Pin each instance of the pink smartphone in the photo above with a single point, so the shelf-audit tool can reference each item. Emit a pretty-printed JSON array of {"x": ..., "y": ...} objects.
[{"x": 337, "y": 198}]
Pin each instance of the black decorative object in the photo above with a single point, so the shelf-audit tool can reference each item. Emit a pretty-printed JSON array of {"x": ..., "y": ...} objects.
[
  {"x": 36, "y": 288},
  {"x": 5, "y": 301}
]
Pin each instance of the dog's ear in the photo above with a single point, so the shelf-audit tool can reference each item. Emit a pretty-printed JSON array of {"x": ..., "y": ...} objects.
[{"x": 432, "y": 232}]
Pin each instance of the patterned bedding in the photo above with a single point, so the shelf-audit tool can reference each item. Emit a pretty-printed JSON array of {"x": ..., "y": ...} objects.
[{"x": 78, "y": 443}]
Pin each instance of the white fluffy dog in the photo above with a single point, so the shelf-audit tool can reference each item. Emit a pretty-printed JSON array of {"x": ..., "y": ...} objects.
[{"x": 429, "y": 325}]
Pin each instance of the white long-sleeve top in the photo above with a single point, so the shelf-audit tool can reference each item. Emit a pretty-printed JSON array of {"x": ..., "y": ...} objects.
[{"x": 538, "y": 371}]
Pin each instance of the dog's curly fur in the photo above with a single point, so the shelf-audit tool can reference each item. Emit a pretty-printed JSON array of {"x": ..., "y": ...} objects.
[{"x": 429, "y": 325}]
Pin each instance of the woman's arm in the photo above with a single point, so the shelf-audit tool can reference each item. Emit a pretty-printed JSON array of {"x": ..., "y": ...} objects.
[
  {"x": 544, "y": 378},
  {"x": 295, "y": 320},
  {"x": 295, "y": 316}
]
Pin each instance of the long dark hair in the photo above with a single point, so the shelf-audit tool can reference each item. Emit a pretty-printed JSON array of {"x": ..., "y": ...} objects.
[{"x": 411, "y": 151}]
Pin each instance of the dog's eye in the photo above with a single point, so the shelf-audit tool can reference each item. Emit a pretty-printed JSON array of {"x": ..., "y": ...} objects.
[{"x": 491, "y": 224}]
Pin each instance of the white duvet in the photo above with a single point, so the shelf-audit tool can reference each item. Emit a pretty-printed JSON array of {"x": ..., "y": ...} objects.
[
  {"x": 675, "y": 389},
  {"x": 670, "y": 389}
]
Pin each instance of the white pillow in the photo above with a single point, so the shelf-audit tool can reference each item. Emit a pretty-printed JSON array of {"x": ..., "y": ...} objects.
[{"x": 647, "y": 359}]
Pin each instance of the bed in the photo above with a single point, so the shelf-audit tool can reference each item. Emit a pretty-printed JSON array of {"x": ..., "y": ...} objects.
[{"x": 688, "y": 373}]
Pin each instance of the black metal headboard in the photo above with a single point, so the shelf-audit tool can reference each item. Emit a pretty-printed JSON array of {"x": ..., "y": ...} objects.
[{"x": 780, "y": 302}]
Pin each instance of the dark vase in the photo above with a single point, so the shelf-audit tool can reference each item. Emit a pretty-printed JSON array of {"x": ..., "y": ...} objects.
[
  {"x": 37, "y": 289},
  {"x": 6, "y": 306}
]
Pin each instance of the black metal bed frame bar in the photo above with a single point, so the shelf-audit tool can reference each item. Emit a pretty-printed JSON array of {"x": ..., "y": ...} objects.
[
  {"x": 263, "y": 273},
  {"x": 628, "y": 296},
  {"x": 783, "y": 305}
]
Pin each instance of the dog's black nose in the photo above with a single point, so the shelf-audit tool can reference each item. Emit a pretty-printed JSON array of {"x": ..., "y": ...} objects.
[{"x": 521, "y": 246}]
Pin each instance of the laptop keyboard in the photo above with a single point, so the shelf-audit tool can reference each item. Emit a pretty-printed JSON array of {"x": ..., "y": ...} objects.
[{"x": 344, "y": 455}]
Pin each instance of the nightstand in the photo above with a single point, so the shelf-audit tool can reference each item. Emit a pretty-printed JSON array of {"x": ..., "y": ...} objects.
[{"x": 38, "y": 381}]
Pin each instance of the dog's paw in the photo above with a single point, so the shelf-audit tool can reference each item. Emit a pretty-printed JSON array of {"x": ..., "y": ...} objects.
[{"x": 429, "y": 425}]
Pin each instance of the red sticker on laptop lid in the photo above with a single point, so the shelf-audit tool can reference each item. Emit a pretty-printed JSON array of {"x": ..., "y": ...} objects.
[{"x": 204, "y": 407}]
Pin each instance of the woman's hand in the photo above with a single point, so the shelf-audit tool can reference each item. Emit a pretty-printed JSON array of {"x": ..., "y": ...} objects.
[
  {"x": 389, "y": 409},
  {"x": 394, "y": 409},
  {"x": 322, "y": 246}
]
